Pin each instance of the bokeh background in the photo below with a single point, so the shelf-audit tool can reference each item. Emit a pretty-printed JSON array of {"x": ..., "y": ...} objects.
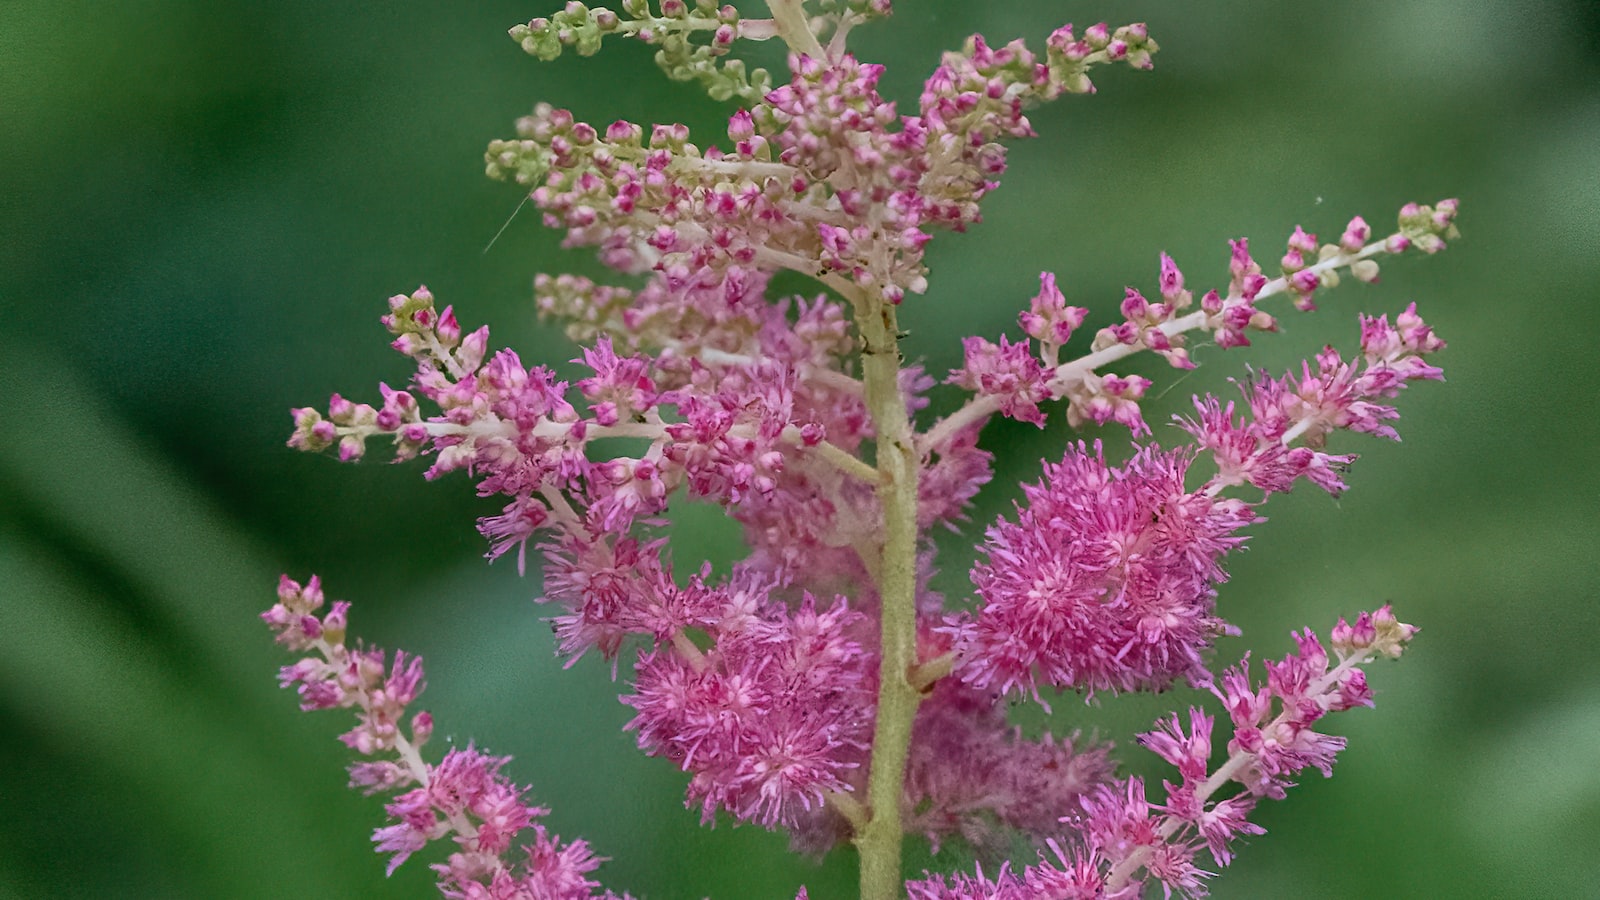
[{"x": 204, "y": 205}]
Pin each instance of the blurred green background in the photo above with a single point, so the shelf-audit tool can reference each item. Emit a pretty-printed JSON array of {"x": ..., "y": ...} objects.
[{"x": 203, "y": 207}]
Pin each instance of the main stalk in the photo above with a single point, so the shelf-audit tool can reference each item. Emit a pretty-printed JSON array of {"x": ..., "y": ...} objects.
[{"x": 878, "y": 841}]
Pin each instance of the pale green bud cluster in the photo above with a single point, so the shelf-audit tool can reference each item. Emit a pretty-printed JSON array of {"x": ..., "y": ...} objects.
[{"x": 671, "y": 31}]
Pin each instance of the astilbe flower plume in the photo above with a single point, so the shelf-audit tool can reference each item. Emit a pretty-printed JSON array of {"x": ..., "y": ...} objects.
[
  {"x": 1124, "y": 839},
  {"x": 822, "y": 685},
  {"x": 1105, "y": 582},
  {"x": 464, "y": 796}
]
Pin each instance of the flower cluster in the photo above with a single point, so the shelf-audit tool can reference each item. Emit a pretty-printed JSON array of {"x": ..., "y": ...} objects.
[
  {"x": 1261, "y": 448},
  {"x": 464, "y": 796},
  {"x": 1009, "y": 379},
  {"x": 822, "y": 685},
  {"x": 822, "y": 175},
  {"x": 1123, "y": 839},
  {"x": 1106, "y": 581},
  {"x": 972, "y": 775}
]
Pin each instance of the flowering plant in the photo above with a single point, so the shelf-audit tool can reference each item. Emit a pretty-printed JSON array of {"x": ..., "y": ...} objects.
[{"x": 823, "y": 686}]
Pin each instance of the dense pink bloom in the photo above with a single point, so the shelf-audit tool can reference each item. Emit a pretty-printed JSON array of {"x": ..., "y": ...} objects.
[
  {"x": 1106, "y": 581},
  {"x": 796, "y": 416},
  {"x": 970, "y": 770},
  {"x": 771, "y": 717}
]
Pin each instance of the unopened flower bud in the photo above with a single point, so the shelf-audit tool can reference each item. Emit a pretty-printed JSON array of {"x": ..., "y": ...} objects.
[
  {"x": 1392, "y": 634},
  {"x": 473, "y": 347},
  {"x": 323, "y": 434},
  {"x": 340, "y": 410},
  {"x": 335, "y": 622},
  {"x": 1302, "y": 241},
  {"x": 421, "y": 728},
  {"x": 351, "y": 448},
  {"x": 1355, "y": 236}
]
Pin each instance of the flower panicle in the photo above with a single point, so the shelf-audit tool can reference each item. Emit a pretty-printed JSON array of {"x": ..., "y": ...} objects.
[
  {"x": 734, "y": 402},
  {"x": 1273, "y": 741},
  {"x": 1281, "y": 434},
  {"x": 1105, "y": 581},
  {"x": 1121, "y": 839},
  {"x": 1014, "y": 379},
  {"x": 803, "y": 163},
  {"x": 465, "y": 796},
  {"x": 1107, "y": 578},
  {"x": 823, "y": 685},
  {"x": 767, "y": 706}
]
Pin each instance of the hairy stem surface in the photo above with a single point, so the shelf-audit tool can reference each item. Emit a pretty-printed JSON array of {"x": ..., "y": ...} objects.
[{"x": 878, "y": 841}]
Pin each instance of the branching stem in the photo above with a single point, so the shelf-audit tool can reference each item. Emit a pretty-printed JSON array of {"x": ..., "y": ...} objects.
[{"x": 1065, "y": 375}]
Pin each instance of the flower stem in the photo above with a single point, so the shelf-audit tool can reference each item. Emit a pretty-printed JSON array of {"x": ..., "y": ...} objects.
[
  {"x": 878, "y": 840},
  {"x": 794, "y": 28},
  {"x": 984, "y": 405}
]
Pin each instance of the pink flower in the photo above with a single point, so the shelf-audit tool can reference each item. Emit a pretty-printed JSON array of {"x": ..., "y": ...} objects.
[
  {"x": 1009, "y": 373},
  {"x": 1108, "y": 398},
  {"x": 1106, "y": 581},
  {"x": 1049, "y": 320},
  {"x": 771, "y": 717},
  {"x": 970, "y": 770},
  {"x": 791, "y": 689}
]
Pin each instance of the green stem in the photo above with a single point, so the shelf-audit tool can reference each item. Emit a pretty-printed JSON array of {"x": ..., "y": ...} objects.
[{"x": 878, "y": 841}]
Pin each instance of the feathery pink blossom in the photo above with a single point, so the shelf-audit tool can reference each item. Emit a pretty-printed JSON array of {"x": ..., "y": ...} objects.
[{"x": 793, "y": 689}]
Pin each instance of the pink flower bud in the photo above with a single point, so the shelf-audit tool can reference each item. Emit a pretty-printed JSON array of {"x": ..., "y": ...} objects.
[
  {"x": 1305, "y": 243},
  {"x": 340, "y": 410},
  {"x": 1171, "y": 279},
  {"x": 1134, "y": 305},
  {"x": 421, "y": 728},
  {"x": 1305, "y": 281},
  {"x": 1355, "y": 236}
]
